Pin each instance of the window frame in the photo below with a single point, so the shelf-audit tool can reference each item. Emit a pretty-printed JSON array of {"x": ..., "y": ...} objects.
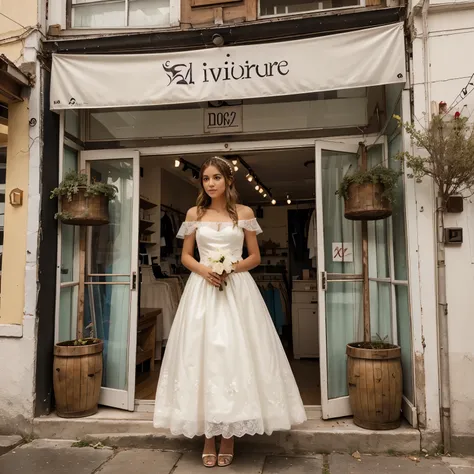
[
  {"x": 67, "y": 16},
  {"x": 362, "y": 4}
]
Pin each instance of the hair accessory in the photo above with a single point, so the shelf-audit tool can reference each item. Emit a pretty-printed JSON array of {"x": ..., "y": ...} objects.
[{"x": 226, "y": 162}]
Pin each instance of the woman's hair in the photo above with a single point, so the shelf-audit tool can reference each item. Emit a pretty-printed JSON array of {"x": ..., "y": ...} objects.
[{"x": 231, "y": 197}]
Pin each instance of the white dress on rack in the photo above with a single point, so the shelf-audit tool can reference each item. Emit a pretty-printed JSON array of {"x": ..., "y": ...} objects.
[{"x": 225, "y": 371}]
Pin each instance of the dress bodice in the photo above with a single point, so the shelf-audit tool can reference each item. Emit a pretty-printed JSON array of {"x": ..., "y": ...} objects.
[{"x": 219, "y": 236}]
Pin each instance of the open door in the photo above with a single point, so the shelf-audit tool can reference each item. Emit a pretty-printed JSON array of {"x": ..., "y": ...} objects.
[
  {"x": 109, "y": 266},
  {"x": 339, "y": 263}
]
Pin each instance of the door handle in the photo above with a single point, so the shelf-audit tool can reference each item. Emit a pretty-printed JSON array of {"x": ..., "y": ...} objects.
[
  {"x": 133, "y": 281},
  {"x": 324, "y": 281}
]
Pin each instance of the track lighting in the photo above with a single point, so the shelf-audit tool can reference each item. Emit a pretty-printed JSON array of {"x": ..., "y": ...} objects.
[
  {"x": 236, "y": 168},
  {"x": 260, "y": 190},
  {"x": 265, "y": 195},
  {"x": 177, "y": 163},
  {"x": 273, "y": 201},
  {"x": 235, "y": 162},
  {"x": 257, "y": 187},
  {"x": 288, "y": 200},
  {"x": 249, "y": 178}
]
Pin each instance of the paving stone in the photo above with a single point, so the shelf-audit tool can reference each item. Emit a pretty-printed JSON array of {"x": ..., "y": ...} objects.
[
  {"x": 346, "y": 464},
  {"x": 293, "y": 465},
  {"x": 244, "y": 463},
  {"x": 463, "y": 470},
  {"x": 9, "y": 442},
  {"x": 53, "y": 457},
  {"x": 141, "y": 461}
]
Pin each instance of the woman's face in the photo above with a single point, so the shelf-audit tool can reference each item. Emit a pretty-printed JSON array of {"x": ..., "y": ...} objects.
[{"x": 213, "y": 182}]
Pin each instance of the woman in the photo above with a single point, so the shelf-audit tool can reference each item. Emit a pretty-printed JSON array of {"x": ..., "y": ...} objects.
[{"x": 224, "y": 371}]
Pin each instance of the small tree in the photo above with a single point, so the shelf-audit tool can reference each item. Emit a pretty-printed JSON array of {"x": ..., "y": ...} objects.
[{"x": 449, "y": 143}]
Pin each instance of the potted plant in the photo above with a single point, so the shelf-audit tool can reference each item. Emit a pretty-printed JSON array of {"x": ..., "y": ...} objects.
[
  {"x": 368, "y": 194},
  {"x": 77, "y": 377},
  {"x": 374, "y": 373},
  {"x": 83, "y": 203}
]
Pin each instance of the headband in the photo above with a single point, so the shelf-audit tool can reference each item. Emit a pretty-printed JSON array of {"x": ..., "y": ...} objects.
[{"x": 226, "y": 162}]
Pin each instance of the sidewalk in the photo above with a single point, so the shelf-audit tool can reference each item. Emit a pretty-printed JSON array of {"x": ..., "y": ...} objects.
[{"x": 61, "y": 457}]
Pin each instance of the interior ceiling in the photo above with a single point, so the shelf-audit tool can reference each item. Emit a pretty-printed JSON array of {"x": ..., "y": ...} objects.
[{"x": 283, "y": 172}]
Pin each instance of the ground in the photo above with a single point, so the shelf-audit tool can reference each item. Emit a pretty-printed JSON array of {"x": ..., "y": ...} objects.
[{"x": 68, "y": 457}]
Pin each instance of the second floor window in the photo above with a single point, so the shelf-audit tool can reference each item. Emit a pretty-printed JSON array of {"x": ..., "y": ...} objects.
[
  {"x": 285, "y": 7},
  {"x": 119, "y": 13}
]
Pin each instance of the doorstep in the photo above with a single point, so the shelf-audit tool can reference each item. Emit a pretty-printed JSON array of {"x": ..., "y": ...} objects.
[{"x": 113, "y": 427}]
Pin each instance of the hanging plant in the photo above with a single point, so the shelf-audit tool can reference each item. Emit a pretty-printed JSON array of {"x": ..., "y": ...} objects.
[
  {"x": 368, "y": 195},
  {"x": 83, "y": 203}
]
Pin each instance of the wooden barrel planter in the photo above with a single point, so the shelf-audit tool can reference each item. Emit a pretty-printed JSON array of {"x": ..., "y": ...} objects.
[
  {"x": 85, "y": 210},
  {"x": 375, "y": 385},
  {"x": 77, "y": 377},
  {"x": 365, "y": 202}
]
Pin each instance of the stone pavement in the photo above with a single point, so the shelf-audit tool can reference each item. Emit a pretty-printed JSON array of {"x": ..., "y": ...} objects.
[{"x": 67, "y": 457}]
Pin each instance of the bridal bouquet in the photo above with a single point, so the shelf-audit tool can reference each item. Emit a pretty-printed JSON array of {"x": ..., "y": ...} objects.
[{"x": 221, "y": 262}]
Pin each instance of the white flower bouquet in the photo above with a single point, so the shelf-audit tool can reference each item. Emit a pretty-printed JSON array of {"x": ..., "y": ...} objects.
[{"x": 221, "y": 262}]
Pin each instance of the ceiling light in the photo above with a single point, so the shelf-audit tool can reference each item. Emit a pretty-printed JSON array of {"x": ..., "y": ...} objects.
[
  {"x": 177, "y": 163},
  {"x": 260, "y": 190},
  {"x": 265, "y": 195},
  {"x": 235, "y": 162},
  {"x": 288, "y": 200},
  {"x": 236, "y": 168},
  {"x": 273, "y": 201},
  {"x": 249, "y": 178},
  {"x": 257, "y": 187}
]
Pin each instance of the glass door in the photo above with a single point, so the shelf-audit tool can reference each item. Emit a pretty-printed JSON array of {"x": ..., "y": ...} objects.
[
  {"x": 109, "y": 262},
  {"x": 339, "y": 261}
]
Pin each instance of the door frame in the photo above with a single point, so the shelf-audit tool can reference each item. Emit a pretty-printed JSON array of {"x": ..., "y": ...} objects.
[
  {"x": 123, "y": 399},
  {"x": 265, "y": 145},
  {"x": 335, "y": 407}
]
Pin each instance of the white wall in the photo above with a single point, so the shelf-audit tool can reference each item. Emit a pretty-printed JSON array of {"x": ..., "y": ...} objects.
[{"x": 451, "y": 63}]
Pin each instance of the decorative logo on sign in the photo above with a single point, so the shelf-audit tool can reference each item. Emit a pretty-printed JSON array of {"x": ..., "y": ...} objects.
[
  {"x": 179, "y": 73},
  {"x": 182, "y": 73},
  {"x": 342, "y": 252}
]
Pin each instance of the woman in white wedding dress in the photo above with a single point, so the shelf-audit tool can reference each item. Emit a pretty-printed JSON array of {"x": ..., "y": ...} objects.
[{"x": 224, "y": 371}]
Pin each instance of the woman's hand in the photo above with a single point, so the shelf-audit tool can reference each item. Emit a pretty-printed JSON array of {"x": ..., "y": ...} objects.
[{"x": 213, "y": 278}]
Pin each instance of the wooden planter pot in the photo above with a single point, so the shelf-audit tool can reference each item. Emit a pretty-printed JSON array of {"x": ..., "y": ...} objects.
[
  {"x": 85, "y": 210},
  {"x": 77, "y": 377},
  {"x": 375, "y": 386},
  {"x": 365, "y": 202}
]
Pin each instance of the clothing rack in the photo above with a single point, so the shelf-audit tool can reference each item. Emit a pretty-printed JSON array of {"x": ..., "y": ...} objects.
[{"x": 172, "y": 209}]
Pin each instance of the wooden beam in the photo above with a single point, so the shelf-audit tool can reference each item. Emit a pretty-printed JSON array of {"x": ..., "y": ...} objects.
[{"x": 365, "y": 257}]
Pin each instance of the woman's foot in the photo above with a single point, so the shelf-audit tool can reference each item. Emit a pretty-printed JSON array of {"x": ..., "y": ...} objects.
[
  {"x": 209, "y": 457},
  {"x": 226, "y": 452}
]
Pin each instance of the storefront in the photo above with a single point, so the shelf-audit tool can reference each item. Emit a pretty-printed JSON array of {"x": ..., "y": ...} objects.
[{"x": 290, "y": 117}]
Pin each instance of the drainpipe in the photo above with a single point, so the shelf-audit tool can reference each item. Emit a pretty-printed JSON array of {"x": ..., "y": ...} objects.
[{"x": 442, "y": 307}]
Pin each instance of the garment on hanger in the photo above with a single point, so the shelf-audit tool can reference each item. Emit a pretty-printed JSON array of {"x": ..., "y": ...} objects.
[
  {"x": 312, "y": 239},
  {"x": 168, "y": 234}
]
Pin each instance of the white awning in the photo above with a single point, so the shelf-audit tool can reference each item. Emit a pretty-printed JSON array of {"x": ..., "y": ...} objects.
[{"x": 369, "y": 57}]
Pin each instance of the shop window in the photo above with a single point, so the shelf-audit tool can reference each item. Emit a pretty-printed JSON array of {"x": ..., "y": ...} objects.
[
  {"x": 117, "y": 14},
  {"x": 286, "y": 7}
]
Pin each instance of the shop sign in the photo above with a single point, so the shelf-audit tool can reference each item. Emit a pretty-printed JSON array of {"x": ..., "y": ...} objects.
[
  {"x": 223, "y": 119},
  {"x": 361, "y": 58},
  {"x": 342, "y": 252}
]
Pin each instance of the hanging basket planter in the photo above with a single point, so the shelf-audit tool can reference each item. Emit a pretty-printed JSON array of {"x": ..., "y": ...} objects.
[
  {"x": 374, "y": 373},
  {"x": 83, "y": 203},
  {"x": 84, "y": 209},
  {"x": 368, "y": 194},
  {"x": 366, "y": 202}
]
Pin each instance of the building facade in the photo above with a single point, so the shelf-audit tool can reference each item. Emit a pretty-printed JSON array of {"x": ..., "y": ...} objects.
[{"x": 139, "y": 87}]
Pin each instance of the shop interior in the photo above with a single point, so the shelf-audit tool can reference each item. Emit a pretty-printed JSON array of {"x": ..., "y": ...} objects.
[{"x": 280, "y": 188}]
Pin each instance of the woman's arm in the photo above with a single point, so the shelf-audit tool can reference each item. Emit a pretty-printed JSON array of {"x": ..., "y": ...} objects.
[
  {"x": 253, "y": 260},
  {"x": 187, "y": 255}
]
